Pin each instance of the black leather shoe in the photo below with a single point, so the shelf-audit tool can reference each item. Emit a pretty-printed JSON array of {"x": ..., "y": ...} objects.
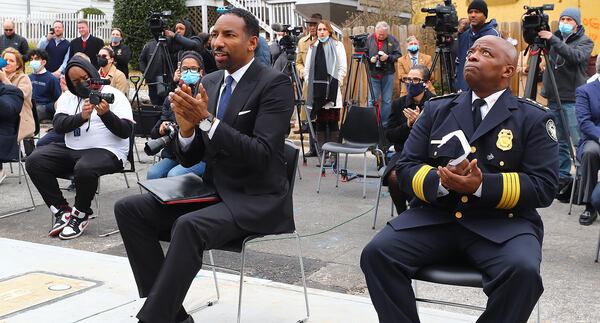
[{"x": 588, "y": 217}]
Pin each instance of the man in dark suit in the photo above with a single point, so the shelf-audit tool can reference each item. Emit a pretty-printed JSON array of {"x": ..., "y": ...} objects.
[
  {"x": 480, "y": 212},
  {"x": 587, "y": 105},
  {"x": 237, "y": 124},
  {"x": 86, "y": 43}
]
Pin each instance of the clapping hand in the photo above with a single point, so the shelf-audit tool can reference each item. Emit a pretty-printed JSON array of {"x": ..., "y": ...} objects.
[
  {"x": 464, "y": 178},
  {"x": 411, "y": 115},
  {"x": 189, "y": 110}
]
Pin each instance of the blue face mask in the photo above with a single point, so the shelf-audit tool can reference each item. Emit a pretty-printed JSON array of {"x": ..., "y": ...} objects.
[
  {"x": 415, "y": 89},
  {"x": 413, "y": 48},
  {"x": 35, "y": 66},
  {"x": 190, "y": 77},
  {"x": 565, "y": 29},
  {"x": 324, "y": 39},
  {"x": 116, "y": 39}
]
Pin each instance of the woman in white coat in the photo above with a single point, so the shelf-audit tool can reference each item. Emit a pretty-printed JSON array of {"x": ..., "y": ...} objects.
[{"x": 325, "y": 70}]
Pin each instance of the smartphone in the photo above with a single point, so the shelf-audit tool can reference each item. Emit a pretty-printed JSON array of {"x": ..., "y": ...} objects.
[
  {"x": 179, "y": 66},
  {"x": 52, "y": 30}
]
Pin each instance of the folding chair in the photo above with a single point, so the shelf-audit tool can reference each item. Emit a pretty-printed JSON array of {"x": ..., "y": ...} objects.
[
  {"x": 291, "y": 158},
  {"x": 15, "y": 157},
  {"x": 452, "y": 275},
  {"x": 359, "y": 133},
  {"x": 380, "y": 173},
  {"x": 145, "y": 118}
]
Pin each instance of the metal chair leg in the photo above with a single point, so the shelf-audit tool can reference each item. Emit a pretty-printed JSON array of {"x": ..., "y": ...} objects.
[
  {"x": 337, "y": 169},
  {"x": 137, "y": 176},
  {"x": 573, "y": 190},
  {"x": 364, "y": 175},
  {"x": 210, "y": 302},
  {"x": 538, "y": 312},
  {"x": 26, "y": 209},
  {"x": 243, "y": 264},
  {"x": 303, "y": 277},
  {"x": 321, "y": 171},
  {"x": 377, "y": 202},
  {"x": 126, "y": 181},
  {"x": 298, "y": 172},
  {"x": 598, "y": 249}
]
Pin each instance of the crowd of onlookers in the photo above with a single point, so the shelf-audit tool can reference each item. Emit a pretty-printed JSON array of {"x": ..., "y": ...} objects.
[{"x": 322, "y": 66}]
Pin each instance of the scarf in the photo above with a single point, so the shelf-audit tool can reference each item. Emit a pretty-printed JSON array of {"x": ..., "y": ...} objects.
[{"x": 323, "y": 75}]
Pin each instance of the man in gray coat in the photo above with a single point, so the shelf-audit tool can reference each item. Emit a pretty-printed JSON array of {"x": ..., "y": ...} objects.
[{"x": 570, "y": 50}]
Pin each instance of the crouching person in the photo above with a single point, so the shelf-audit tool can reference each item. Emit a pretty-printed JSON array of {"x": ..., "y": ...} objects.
[{"x": 96, "y": 143}]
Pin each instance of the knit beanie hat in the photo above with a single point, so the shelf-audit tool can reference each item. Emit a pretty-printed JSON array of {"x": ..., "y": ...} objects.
[
  {"x": 573, "y": 13},
  {"x": 479, "y": 5}
]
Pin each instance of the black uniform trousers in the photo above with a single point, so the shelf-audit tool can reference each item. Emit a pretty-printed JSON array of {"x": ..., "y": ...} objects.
[
  {"x": 48, "y": 162},
  {"x": 191, "y": 229},
  {"x": 511, "y": 270}
]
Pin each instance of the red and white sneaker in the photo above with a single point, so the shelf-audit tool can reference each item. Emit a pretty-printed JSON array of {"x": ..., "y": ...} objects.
[
  {"x": 76, "y": 225},
  {"x": 62, "y": 217}
]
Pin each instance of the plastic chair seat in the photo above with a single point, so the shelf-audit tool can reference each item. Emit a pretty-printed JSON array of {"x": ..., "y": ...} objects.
[{"x": 337, "y": 147}]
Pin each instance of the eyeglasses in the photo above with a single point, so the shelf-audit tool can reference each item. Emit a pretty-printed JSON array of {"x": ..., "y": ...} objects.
[
  {"x": 8, "y": 29},
  {"x": 193, "y": 69},
  {"x": 414, "y": 80}
]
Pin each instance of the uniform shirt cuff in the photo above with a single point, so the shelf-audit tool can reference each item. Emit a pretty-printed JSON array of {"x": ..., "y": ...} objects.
[
  {"x": 184, "y": 143},
  {"x": 442, "y": 191},
  {"x": 213, "y": 128},
  {"x": 478, "y": 192}
]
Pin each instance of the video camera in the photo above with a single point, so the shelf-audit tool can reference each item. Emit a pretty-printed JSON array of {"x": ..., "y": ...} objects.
[
  {"x": 290, "y": 40},
  {"x": 359, "y": 42},
  {"x": 444, "y": 20},
  {"x": 152, "y": 147},
  {"x": 157, "y": 22},
  {"x": 534, "y": 21}
]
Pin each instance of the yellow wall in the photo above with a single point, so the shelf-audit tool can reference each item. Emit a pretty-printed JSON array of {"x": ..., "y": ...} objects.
[{"x": 512, "y": 10}]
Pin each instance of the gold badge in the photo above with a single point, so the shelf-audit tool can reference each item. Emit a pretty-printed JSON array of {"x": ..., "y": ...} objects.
[{"x": 505, "y": 137}]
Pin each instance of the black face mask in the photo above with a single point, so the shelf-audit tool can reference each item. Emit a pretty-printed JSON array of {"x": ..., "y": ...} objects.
[
  {"x": 102, "y": 61},
  {"x": 82, "y": 90}
]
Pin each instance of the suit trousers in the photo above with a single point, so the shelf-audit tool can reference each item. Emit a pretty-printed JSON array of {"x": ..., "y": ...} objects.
[
  {"x": 590, "y": 164},
  {"x": 48, "y": 162},
  {"x": 191, "y": 229},
  {"x": 511, "y": 270}
]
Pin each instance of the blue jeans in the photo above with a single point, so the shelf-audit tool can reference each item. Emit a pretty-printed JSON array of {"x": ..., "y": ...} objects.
[
  {"x": 383, "y": 88},
  {"x": 170, "y": 167},
  {"x": 51, "y": 137},
  {"x": 564, "y": 157}
]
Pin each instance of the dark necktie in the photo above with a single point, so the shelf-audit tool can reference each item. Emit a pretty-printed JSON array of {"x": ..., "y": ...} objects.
[
  {"x": 476, "y": 111},
  {"x": 414, "y": 60},
  {"x": 224, "y": 98}
]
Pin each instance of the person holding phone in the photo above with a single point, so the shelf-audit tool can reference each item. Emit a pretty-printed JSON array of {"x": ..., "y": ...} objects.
[
  {"x": 405, "y": 112},
  {"x": 57, "y": 47}
]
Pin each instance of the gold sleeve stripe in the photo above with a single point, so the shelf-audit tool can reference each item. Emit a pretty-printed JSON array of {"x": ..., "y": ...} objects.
[
  {"x": 418, "y": 181},
  {"x": 511, "y": 191}
]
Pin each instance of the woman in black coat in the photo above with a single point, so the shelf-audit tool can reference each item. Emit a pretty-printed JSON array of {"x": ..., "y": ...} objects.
[{"x": 405, "y": 112}]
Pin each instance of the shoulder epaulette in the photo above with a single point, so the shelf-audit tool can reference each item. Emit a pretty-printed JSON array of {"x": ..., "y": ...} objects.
[
  {"x": 533, "y": 103},
  {"x": 445, "y": 96}
]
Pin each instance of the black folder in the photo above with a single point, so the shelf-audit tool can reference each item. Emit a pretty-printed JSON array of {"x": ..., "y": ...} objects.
[{"x": 188, "y": 188}]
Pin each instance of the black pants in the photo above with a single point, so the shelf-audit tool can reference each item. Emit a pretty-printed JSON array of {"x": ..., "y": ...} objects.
[
  {"x": 590, "y": 164},
  {"x": 49, "y": 162},
  {"x": 511, "y": 270},
  {"x": 165, "y": 279}
]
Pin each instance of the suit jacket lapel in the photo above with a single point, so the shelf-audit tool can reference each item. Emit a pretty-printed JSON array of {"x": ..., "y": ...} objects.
[
  {"x": 462, "y": 113},
  {"x": 497, "y": 114},
  {"x": 213, "y": 92},
  {"x": 242, "y": 91}
]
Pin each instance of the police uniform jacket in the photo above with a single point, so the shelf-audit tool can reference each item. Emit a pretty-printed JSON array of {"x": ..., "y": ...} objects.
[{"x": 515, "y": 146}]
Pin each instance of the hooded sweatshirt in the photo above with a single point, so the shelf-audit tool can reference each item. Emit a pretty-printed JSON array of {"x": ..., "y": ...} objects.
[
  {"x": 465, "y": 41},
  {"x": 569, "y": 59}
]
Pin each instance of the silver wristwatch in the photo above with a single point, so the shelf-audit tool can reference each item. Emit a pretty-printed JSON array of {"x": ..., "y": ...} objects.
[{"x": 207, "y": 123}]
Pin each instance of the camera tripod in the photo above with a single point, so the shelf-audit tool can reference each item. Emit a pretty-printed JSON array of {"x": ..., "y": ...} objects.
[
  {"x": 443, "y": 53},
  {"x": 167, "y": 68},
  {"x": 291, "y": 70},
  {"x": 535, "y": 49}
]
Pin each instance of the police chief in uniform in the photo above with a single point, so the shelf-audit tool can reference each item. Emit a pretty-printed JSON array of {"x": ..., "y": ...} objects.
[{"x": 481, "y": 212}]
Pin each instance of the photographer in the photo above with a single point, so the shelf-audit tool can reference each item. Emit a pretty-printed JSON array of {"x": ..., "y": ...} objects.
[
  {"x": 383, "y": 51},
  {"x": 153, "y": 73},
  {"x": 478, "y": 12},
  {"x": 96, "y": 143},
  {"x": 569, "y": 52},
  {"x": 189, "y": 73},
  {"x": 182, "y": 39},
  {"x": 278, "y": 55}
]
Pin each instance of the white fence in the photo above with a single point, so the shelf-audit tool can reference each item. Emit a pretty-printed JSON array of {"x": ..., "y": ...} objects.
[{"x": 37, "y": 25}]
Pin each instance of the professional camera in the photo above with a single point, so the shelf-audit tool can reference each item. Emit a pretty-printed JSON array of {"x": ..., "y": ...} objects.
[
  {"x": 360, "y": 42},
  {"x": 157, "y": 22},
  {"x": 290, "y": 40},
  {"x": 97, "y": 96},
  {"x": 534, "y": 21},
  {"x": 443, "y": 20},
  {"x": 152, "y": 147}
]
